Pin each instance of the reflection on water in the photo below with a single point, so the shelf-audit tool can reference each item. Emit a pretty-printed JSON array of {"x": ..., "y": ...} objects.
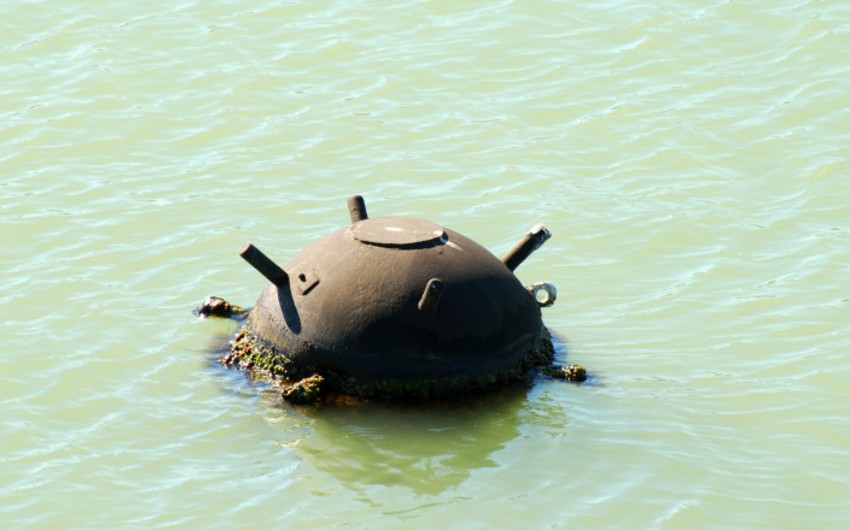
[{"x": 427, "y": 448}]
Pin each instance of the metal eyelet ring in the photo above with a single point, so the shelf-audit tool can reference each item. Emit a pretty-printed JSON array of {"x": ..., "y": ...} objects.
[{"x": 544, "y": 293}]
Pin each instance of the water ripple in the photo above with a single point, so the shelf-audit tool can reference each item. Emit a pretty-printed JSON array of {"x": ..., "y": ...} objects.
[{"x": 689, "y": 160}]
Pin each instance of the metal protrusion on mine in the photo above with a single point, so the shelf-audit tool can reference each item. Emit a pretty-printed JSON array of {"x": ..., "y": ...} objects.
[
  {"x": 357, "y": 208},
  {"x": 525, "y": 246},
  {"x": 431, "y": 296},
  {"x": 264, "y": 265},
  {"x": 544, "y": 293}
]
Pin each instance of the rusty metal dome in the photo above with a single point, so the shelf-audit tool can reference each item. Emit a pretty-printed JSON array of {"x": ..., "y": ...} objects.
[{"x": 399, "y": 307}]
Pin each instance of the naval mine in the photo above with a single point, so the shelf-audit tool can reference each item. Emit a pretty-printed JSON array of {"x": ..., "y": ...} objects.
[{"x": 394, "y": 307}]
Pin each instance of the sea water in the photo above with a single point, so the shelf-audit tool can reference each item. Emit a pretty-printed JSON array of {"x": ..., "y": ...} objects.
[{"x": 690, "y": 159}]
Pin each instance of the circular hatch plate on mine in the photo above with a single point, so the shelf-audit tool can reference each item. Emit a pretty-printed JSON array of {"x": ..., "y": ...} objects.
[{"x": 398, "y": 232}]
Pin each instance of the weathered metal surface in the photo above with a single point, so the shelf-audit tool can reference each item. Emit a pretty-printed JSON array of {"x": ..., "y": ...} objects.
[
  {"x": 357, "y": 208},
  {"x": 544, "y": 292},
  {"x": 431, "y": 296},
  {"x": 398, "y": 232},
  {"x": 264, "y": 265},
  {"x": 535, "y": 237},
  {"x": 399, "y": 306}
]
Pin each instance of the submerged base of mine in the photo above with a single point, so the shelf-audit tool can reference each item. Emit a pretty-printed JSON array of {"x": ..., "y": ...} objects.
[{"x": 301, "y": 384}]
